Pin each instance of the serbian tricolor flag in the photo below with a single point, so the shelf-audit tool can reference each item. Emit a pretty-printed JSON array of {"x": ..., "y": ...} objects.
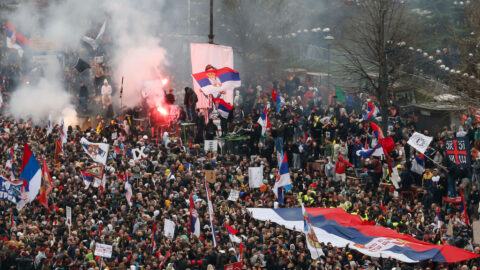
[
  {"x": 223, "y": 107},
  {"x": 217, "y": 80},
  {"x": 283, "y": 182},
  {"x": 232, "y": 234},
  {"x": 264, "y": 121},
  {"x": 372, "y": 111},
  {"x": 15, "y": 40},
  {"x": 194, "y": 220},
  {"x": 31, "y": 175},
  {"x": 340, "y": 228}
]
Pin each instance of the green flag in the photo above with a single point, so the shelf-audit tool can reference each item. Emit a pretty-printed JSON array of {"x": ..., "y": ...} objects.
[{"x": 340, "y": 94}]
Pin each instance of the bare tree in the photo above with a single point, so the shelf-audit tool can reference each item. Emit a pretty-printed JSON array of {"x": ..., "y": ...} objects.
[{"x": 374, "y": 42}]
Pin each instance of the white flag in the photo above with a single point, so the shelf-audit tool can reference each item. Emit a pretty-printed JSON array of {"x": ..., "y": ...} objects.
[
  {"x": 97, "y": 151},
  {"x": 420, "y": 142}
]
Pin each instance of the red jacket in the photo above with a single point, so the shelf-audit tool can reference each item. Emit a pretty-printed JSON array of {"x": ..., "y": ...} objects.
[{"x": 341, "y": 165}]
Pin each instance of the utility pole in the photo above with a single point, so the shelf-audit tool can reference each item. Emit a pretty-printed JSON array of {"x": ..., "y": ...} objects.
[{"x": 211, "y": 36}]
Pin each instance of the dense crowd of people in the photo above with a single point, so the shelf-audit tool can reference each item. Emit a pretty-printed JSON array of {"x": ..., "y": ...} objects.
[{"x": 310, "y": 127}]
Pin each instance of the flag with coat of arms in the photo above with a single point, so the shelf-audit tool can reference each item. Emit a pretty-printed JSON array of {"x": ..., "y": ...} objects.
[{"x": 97, "y": 151}]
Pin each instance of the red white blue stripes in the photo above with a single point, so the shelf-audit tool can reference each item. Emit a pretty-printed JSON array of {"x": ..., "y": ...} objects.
[
  {"x": 15, "y": 40},
  {"x": 336, "y": 226},
  {"x": 210, "y": 213},
  {"x": 223, "y": 107},
  {"x": 216, "y": 80}
]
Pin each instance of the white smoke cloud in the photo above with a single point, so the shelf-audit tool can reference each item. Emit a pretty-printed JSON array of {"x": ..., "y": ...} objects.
[
  {"x": 36, "y": 102},
  {"x": 135, "y": 49}
]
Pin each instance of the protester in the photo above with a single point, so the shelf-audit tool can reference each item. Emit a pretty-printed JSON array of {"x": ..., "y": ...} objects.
[{"x": 148, "y": 179}]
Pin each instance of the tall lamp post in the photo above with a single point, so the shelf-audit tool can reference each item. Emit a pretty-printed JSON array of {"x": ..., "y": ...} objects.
[
  {"x": 211, "y": 36},
  {"x": 329, "y": 40}
]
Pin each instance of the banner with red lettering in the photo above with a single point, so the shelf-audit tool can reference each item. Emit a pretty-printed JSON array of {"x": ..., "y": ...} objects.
[{"x": 458, "y": 151}]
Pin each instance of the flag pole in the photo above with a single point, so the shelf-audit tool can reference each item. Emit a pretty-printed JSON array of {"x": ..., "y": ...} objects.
[{"x": 121, "y": 96}]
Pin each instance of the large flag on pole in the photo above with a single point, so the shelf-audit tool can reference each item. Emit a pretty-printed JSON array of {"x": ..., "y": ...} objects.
[
  {"x": 340, "y": 228},
  {"x": 420, "y": 142},
  {"x": 97, "y": 151},
  {"x": 47, "y": 185},
  {"x": 31, "y": 175},
  {"x": 210, "y": 213}
]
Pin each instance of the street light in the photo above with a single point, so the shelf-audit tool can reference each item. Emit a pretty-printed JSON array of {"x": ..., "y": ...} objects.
[
  {"x": 211, "y": 35},
  {"x": 329, "y": 40}
]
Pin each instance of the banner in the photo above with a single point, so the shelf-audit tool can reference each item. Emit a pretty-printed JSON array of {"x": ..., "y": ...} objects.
[
  {"x": 420, "y": 142},
  {"x": 255, "y": 177},
  {"x": 458, "y": 151},
  {"x": 9, "y": 190},
  {"x": 97, "y": 151},
  {"x": 340, "y": 228},
  {"x": 218, "y": 56}
]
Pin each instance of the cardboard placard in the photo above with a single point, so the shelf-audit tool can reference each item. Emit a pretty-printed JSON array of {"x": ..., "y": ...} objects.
[{"x": 210, "y": 175}]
